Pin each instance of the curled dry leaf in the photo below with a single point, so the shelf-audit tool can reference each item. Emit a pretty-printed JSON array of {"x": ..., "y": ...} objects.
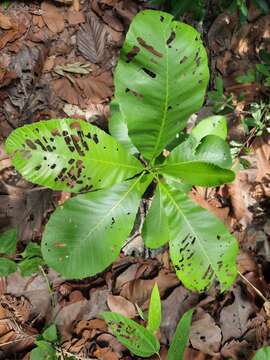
[
  {"x": 52, "y": 17},
  {"x": 205, "y": 335},
  {"x": 91, "y": 40},
  {"x": 121, "y": 305}
]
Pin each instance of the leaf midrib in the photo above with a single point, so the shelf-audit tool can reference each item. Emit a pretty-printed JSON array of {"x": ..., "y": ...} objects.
[{"x": 190, "y": 226}]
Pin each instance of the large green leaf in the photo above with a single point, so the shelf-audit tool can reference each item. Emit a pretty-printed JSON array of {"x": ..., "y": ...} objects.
[
  {"x": 160, "y": 79},
  {"x": 69, "y": 155},
  {"x": 155, "y": 231},
  {"x": 262, "y": 354},
  {"x": 201, "y": 248},
  {"x": 135, "y": 337},
  {"x": 180, "y": 338},
  {"x": 85, "y": 235},
  {"x": 201, "y": 163}
]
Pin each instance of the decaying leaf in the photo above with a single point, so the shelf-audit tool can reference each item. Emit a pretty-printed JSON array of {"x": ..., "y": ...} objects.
[
  {"x": 234, "y": 318},
  {"x": 52, "y": 17},
  {"x": 5, "y": 22},
  {"x": 121, "y": 305},
  {"x": 91, "y": 40}
]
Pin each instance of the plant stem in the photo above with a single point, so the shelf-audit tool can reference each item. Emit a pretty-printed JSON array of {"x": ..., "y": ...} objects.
[{"x": 49, "y": 287}]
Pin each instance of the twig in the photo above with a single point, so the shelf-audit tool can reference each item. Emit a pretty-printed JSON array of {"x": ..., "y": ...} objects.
[
  {"x": 17, "y": 340},
  {"x": 253, "y": 287}
]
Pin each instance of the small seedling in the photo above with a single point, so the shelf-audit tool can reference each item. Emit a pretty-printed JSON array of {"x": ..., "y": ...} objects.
[
  {"x": 45, "y": 345},
  {"x": 142, "y": 341},
  {"x": 262, "y": 354},
  {"x": 160, "y": 80}
]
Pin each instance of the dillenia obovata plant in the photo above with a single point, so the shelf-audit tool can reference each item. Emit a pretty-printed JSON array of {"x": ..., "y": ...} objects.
[{"x": 160, "y": 80}]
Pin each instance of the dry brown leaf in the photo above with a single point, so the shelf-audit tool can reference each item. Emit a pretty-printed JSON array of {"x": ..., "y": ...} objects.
[
  {"x": 261, "y": 146},
  {"x": 121, "y": 305},
  {"x": 91, "y": 40},
  {"x": 139, "y": 290},
  {"x": 109, "y": 18},
  {"x": 234, "y": 318},
  {"x": 75, "y": 17},
  {"x": 52, "y": 17},
  {"x": 176, "y": 304},
  {"x": 235, "y": 350},
  {"x": 5, "y": 22},
  {"x": 12, "y": 35},
  {"x": 205, "y": 335}
]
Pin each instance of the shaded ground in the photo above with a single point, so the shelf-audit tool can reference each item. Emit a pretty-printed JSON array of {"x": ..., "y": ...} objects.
[{"x": 57, "y": 60}]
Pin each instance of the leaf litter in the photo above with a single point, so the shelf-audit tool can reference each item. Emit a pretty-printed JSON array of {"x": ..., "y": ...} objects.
[{"x": 79, "y": 44}]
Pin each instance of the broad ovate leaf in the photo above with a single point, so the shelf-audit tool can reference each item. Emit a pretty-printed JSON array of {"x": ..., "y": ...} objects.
[
  {"x": 135, "y": 337},
  {"x": 204, "y": 163},
  {"x": 85, "y": 235},
  {"x": 118, "y": 128},
  {"x": 201, "y": 248},
  {"x": 69, "y": 155},
  {"x": 160, "y": 79},
  {"x": 212, "y": 125},
  {"x": 154, "y": 312},
  {"x": 155, "y": 231},
  {"x": 180, "y": 338},
  {"x": 8, "y": 240},
  {"x": 7, "y": 266}
]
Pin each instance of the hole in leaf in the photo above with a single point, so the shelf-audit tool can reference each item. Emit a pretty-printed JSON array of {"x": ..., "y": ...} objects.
[
  {"x": 184, "y": 59},
  {"x": 149, "y": 72},
  {"x": 171, "y": 38}
]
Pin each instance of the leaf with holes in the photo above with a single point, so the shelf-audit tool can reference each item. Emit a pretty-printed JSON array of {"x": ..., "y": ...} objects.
[
  {"x": 163, "y": 72},
  {"x": 203, "y": 163},
  {"x": 85, "y": 235},
  {"x": 154, "y": 314},
  {"x": 180, "y": 338},
  {"x": 201, "y": 248},
  {"x": 70, "y": 155},
  {"x": 155, "y": 231},
  {"x": 135, "y": 337}
]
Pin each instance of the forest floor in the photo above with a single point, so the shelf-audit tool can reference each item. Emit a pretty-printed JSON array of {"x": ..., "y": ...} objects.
[{"x": 38, "y": 42}]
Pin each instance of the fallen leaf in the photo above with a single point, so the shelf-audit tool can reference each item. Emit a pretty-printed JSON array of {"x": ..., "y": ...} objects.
[
  {"x": 91, "y": 40},
  {"x": 205, "y": 335},
  {"x": 176, "y": 304},
  {"x": 52, "y": 17},
  {"x": 235, "y": 350},
  {"x": 13, "y": 34},
  {"x": 234, "y": 318},
  {"x": 121, "y": 305},
  {"x": 75, "y": 17},
  {"x": 5, "y": 22}
]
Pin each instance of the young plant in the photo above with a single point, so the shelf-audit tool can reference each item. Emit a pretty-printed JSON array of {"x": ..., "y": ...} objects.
[
  {"x": 262, "y": 354},
  {"x": 45, "y": 345},
  {"x": 160, "y": 80},
  {"x": 142, "y": 341},
  {"x": 27, "y": 262}
]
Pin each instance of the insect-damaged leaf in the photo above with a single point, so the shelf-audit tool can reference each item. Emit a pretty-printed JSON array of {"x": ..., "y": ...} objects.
[
  {"x": 85, "y": 236},
  {"x": 201, "y": 248},
  {"x": 70, "y": 155},
  {"x": 163, "y": 72},
  {"x": 135, "y": 337},
  {"x": 212, "y": 125},
  {"x": 180, "y": 338},
  {"x": 203, "y": 163},
  {"x": 155, "y": 231}
]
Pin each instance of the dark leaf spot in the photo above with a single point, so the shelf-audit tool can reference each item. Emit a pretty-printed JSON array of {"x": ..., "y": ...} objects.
[
  {"x": 132, "y": 53},
  {"x": 149, "y": 47},
  {"x": 171, "y": 38},
  {"x": 149, "y": 72},
  {"x": 30, "y": 144},
  {"x": 184, "y": 59}
]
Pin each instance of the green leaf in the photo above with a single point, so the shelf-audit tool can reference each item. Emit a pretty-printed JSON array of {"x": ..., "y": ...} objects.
[
  {"x": 32, "y": 249},
  {"x": 212, "y": 125},
  {"x": 160, "y": 79},
  {"x": 118, "y": 128},
  {"x": 201, "y": 248},
  {"x": 155, "y": 231},
  {"x": 262, "y": 354},
  {"x": 43, "y": 351},
  {"x": 263, "y": 69},
  {"x": 180, "y": 338},
  {"x": 135, "y": 337},
  {"x": 7, "y": 266},
  {"x": 8, "y": 241},
  {"x": 249, "y": 77},
  {"x": 201, "y": 164},
  {"x": 50, "y": 334},
  {"x": 69, "y": 155},
  {"x": 154, "y": 313},
  {"x": 30, "y": 266},
  {"x": 85, "y": 235}
]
